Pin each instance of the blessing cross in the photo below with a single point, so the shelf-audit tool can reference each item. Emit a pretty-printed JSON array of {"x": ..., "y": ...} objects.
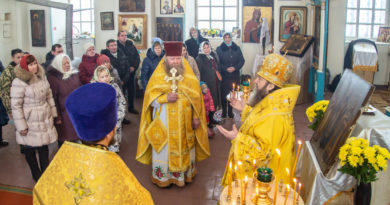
[{"x": 173, "y": 78}]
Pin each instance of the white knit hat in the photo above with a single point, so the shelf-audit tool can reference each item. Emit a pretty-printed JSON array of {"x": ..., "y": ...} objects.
[{"x": 86, "y": 46}]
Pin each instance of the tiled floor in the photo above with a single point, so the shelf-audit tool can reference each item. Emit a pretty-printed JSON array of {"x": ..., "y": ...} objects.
[{"x": 205, "y": 189}]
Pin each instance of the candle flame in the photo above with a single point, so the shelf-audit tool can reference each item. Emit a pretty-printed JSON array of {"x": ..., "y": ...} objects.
[
  {"x": 295, "y": 180},
  {"x": 230, "y": 165},
  {"x": 235, "y": 167},
  {"x": 299, "y": 185},
  {"x": 246, "y": 178},
  {"x": 288, "y": 187},
  {"x": 257, "y": 190},
  {"x": 254, "y": 162},
  {"x": 299, "y": 142},
  {"x": 278, "y": 151},
  {"x": 239, "y": 163},
  {"x": 288, "y": 171}
]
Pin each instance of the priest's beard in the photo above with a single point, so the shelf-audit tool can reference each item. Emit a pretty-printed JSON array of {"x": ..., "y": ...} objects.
[
  {"x": 179, "y": 68},
  {"x": 257, "y": 95}
]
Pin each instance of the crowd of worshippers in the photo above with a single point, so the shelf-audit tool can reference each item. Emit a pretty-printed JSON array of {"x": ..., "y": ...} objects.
[{"x": 33, "y": 93}]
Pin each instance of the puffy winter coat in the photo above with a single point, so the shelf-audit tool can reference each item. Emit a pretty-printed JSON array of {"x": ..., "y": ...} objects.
[
  {"x": 33, "y": 108},
  {"x": 87, "y": 67},
  {"x": 230, "y": 56},
  {"x": 61, "y": 88},
  {"x": 149, "y": 65}
]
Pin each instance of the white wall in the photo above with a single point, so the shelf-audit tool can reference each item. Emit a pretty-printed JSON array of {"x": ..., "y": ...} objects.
[
  {"x": 336, "y": 33},
  {"x": 7, "y": 44},
  {"x": 113, "y": 6}
]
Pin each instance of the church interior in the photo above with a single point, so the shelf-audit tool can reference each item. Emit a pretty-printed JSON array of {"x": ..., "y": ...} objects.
[{"x": 340, "y": 55}]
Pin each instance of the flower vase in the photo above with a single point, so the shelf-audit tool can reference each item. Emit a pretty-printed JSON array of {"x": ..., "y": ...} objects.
[{"x": 362, "y": 195}]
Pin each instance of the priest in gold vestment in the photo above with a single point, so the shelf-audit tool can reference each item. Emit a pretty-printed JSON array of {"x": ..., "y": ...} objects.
[
  {"x": 267, "y": 121},
  {"x": 89, "y": 173},
  {"x": 173, "y": 129}
]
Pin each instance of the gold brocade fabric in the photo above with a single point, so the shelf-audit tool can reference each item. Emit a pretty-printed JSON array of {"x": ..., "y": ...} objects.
[
  {"x": 267, "y": 126},
  {"x": 80, "y": 174},
  {"x": 180, "y": 135}
]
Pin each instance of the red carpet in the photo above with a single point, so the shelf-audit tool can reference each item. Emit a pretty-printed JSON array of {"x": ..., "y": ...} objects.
[{"x": 10, "y": 195}]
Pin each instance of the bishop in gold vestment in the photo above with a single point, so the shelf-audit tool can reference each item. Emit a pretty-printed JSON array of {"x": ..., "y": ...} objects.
[
  {"x": 173, "y": 129},
  {"x": 267, "y": 121},
  {"x": 89, "y": 173}
]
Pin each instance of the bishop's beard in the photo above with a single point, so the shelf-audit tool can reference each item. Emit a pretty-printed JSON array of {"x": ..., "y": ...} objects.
[
  {"x": 257, "y": 95},
  {"x": 179, "y": 68}
]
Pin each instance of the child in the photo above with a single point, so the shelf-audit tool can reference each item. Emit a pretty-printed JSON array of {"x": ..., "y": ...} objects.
[
  {"x": 209, "y": 105},
  {"x": 102, "y": 75}
]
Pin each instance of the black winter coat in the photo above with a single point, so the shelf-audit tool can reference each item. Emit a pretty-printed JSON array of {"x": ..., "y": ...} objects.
[
  {"x": 193, "y": 47},
  {"x": 230, "y": 56},
  {"x": 120, "y": 63},
  {"x": 131, "y": 53},
  {"x": 149, "y": 65},
  {"x": 207, "y": 75}
]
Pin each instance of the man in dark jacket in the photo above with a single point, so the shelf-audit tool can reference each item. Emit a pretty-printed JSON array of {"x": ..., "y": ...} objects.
[
  {"x": 119, "y": 61},
  {"x": 55, "y": 50},
  {"x": 133, "y": 59},
  {"x": 194, "y": 42},
  {"x": 231, "y": 61}
]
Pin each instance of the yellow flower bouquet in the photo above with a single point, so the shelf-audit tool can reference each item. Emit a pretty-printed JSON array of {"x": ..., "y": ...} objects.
[
  {"x": 361, "y": 161},
  {"x": 316, "y": 113}
]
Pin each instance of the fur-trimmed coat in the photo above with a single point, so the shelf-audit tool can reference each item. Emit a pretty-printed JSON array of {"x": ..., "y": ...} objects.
[
  {"x": 61, "y": 88},
  {"x": 33, "y": 108}
]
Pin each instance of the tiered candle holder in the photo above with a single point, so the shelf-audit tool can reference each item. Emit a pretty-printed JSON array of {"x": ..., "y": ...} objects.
[{"x": 264, "y": 179}]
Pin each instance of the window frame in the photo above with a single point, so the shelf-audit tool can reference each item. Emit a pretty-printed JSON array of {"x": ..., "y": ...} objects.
[
  {"x": 373, "y": 33},
  {"x": 223, "y": 6},
  {"x": 80, "y": 21}
]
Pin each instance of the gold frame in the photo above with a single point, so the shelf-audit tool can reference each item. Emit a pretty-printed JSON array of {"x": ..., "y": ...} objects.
[
  {"x": 283, "y": 10},
  {"x": 143, "y": 43},
  {"x": 297, "y": 45}
]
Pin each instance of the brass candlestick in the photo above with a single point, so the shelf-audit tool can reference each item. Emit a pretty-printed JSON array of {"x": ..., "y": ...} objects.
[{"x": 264, "y": 188}]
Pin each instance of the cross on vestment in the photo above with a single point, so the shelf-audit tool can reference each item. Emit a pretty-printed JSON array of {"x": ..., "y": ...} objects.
[{"x": 173, "y": 78}]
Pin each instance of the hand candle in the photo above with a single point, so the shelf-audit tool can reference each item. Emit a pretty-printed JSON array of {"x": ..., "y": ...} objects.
[
  {"x": 277, "y": 175},
  {"x": 296, "y": 158},
  {"x": 287, "y": 193},
  {"x": 238, "y": 91},
  {"x": 294, "y": 189},
  {"x": 299, "y": 192},
  {"x": 233, "y": 91}
]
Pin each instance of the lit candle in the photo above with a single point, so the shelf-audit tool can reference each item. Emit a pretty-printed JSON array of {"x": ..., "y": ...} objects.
[
  {"x": 241, "y": 179},
  {"x": 296, "y": 158},
  {"x": 235, "y": 173},
  {"x": 233, "y": 90},
  {"x": 299, "y": 192},
  {"x": 287, "y": 193},
  {"x": 295, "y": 188},
  {"x": 277, "y": 175}
]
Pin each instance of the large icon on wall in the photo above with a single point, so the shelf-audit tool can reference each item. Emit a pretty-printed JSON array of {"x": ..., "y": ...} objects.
[
  {"x": 135, "y": 27},
  {"x": 384, "y": 34},
  {"x": 132, "y": 5},
  {"x": 170, "y": 29},
  {"x": 292, "y": 21},
  {"x": 166, "y": 7},
  {"x": 38, "y": 31}
]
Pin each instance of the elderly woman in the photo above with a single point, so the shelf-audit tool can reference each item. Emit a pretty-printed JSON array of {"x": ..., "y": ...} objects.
[
  {"x": 63, "y": 79},
  {"x": 194, "y": 42},
  {"x": 231, "y": 61},
  {"x": 88, "y": 63},
  {"x": 33, "y": 110},
  {"x": 208, "y": 65},
  {"x": 153, "y": 58},
  {"x": 190, "y": 61}
]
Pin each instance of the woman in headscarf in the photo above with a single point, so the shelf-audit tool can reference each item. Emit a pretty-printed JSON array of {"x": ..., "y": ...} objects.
[
  {"x": 231, "y": 61},
  {"x": 63, "y": 79},
  {"x": 88, "y": 63},
  {"x": 194, "y": 42},
  {"x": 153, "y": 58},
  {"x": 208, "y": 65}
]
